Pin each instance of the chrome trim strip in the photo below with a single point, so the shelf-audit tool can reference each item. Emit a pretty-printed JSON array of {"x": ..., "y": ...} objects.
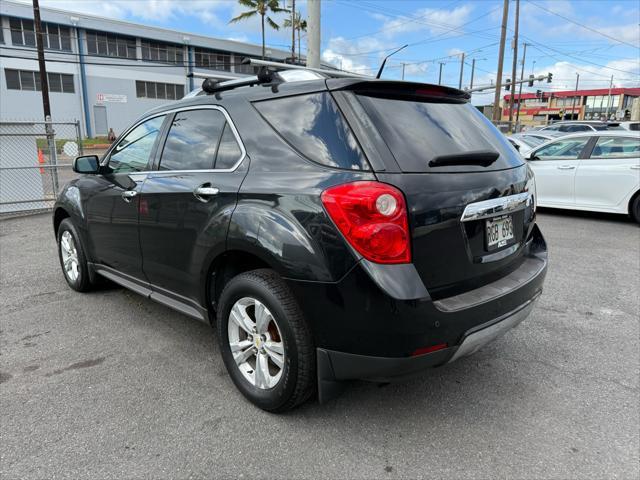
[
  {"x": 496, "y": 206},
  {"x": 243, "y": 151}
]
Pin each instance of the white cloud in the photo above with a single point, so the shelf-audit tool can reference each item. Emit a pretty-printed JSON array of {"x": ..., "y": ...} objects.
[
  {"x": 151, "y": 10},
  {"x": 435, "y": 21},
  {"x": 359, "y": 56}
]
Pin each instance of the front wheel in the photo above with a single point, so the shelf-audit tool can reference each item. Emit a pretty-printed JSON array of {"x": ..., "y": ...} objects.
[
  {"x": 72, "y": 257},
  {"x": 265, "y": 342}
]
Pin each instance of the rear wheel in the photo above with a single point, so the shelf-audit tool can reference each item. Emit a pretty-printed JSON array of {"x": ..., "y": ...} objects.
[
  {"x": 72, "y": 257},
  {"x": 265, "y": 342},
  {"x": 635, "y": 208}
]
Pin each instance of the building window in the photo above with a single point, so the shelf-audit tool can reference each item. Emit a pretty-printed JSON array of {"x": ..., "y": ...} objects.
[
  {"x": 248, "y": 69},
  {"x": 109, "y": 45},
  {"x": 567, "y": 101},
  {"x": 30, "y": 80},
  {"x": 212, "y": 60},
  {"x": 163, "y": 91},
  {"x": 22, "y": 32},
  {"x": 162, "y": 52},
  {"x": 55, "y": 37},
  {"x": 1, "y": 31}
]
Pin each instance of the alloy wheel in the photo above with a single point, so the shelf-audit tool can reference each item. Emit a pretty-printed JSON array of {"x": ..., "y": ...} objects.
[
  {"x": 256, "y": 343},
  {"x": 69, "y": 256}
]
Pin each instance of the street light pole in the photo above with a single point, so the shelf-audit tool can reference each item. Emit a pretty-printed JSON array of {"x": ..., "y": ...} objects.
[
  {"x": 461, "y": 70},
  {"x": 609, "y": 97},
  {"x": 573, "y": 104},
  {"x": 515, "y": 62},
  {"x": 440, "y": 74},
  {"x": 313, "y": 36},
  {"x": 524, "y": 56},
  {"x": 473, "y": 69},
  {"x": 503, "y": 36}
]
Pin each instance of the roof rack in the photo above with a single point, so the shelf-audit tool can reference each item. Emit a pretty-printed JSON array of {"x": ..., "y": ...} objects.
[
  {"x": 268, "y": 73},
  {"x": 288, "y": 66}
]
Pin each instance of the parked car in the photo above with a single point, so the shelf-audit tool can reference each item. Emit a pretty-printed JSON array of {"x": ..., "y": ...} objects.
[
  {"x": 596, "y": 171},
  {"x": 525, "y": 142},
  {"x": 331, "y": 229},
  {"x": 575, "y": 126},
  {"x": 631, "y": 126}
]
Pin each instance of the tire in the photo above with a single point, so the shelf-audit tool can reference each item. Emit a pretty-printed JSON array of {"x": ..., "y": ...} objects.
[
  {"x": 635, "y": 208},
  {"x": 278, "y": 389},
  {"x": 70, "y": 250}
]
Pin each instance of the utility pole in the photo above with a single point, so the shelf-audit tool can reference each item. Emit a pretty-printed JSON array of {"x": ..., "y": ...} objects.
[
  {"x": 403, "y": 64},
  {"x": 524, "y": 57},
  {"x": 293, "y": 31},
  {"x": 440, "y": 74},
  {"x": 44, "y": 87},
  {"x": 573, "y": 104},
  {"x": 44, "y": 83},
  {"x": 473, "y": 69},
  {"x": 514, "y": 66},
  {"x": 461, "y": 70},
  {"x": 609, "y": 97},
  {"x": 503, "y": 36},
  {"x": 313, "y": 37}
]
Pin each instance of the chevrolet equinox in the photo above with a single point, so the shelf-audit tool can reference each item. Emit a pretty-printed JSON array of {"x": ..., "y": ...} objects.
[{"x": 331, "y": 229}]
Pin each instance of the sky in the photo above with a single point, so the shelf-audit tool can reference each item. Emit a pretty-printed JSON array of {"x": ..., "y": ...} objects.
[{"x": 595, "y": 38}]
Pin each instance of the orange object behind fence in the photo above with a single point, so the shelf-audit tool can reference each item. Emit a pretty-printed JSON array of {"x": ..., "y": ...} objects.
[{"x": 41, "y": 160}]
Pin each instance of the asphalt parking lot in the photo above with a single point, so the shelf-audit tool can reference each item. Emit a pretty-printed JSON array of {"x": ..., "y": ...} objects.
[{"x": 111, "y": 385}]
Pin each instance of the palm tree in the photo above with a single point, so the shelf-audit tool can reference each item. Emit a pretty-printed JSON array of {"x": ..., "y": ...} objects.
[
  {"x": 262, "y": 8},
  {"x": 299, "y": 25}
]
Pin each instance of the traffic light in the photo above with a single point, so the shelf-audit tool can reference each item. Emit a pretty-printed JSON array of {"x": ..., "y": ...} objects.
[
  {"x": 507, "y": 84},
  {"x": 531, "y": 77},
  {"x": 549, "y": 77},
  {"x": 539, "y": 94}
]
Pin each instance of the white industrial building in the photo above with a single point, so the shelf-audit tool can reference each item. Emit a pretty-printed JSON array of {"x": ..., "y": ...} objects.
[{"x": 105, "y": 72}]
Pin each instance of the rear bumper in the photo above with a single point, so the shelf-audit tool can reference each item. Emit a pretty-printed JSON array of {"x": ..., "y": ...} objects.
[
  {"x": 362, "y": 332},
  {"x": 345, "y": 366}
]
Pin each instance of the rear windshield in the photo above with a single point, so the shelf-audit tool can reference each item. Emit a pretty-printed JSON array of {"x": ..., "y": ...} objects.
[{"x": 418, "y": 132}]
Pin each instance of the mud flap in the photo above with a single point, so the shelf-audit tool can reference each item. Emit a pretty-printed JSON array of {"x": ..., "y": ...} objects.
[{"x": 328, "y": 387}]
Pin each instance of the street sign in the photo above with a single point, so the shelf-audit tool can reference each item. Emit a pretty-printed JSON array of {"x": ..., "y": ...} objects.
[{"x": 111, "y": 97}]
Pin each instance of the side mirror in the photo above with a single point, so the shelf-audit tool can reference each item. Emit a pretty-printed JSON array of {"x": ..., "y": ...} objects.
[
  {"x": 531, "y": 156},
  {"x": 87, "y": 164}
]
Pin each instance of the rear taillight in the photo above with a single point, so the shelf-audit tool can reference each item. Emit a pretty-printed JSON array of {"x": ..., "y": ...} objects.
[{"x": 373, "y": 218}]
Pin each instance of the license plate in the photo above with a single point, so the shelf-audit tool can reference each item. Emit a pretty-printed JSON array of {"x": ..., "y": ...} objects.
[{"x": 499, "y": 232}]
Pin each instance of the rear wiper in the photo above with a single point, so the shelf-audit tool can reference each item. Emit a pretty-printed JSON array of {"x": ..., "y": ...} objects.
[{"x": 482, "y": 158}]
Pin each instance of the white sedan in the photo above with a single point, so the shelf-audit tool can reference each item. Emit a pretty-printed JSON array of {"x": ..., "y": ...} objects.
[{"x": 596, "y": 171}]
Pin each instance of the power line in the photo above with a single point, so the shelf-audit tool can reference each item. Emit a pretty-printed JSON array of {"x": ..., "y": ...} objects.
[{"x": 586, "y": 27}]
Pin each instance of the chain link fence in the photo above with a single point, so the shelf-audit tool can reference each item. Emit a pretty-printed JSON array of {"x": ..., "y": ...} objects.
[{"x": 35, "y": 162}]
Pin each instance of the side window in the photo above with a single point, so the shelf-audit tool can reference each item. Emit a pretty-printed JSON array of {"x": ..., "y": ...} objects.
[
  {"x": 229, "y": 151},
  {"x": 132, "y": 153},
  {"x": 193, "y": 140},
  {"x": 569, "y": 148},
  {"x": 616, "y": 147},
  {"x": 313, "y": 125}
]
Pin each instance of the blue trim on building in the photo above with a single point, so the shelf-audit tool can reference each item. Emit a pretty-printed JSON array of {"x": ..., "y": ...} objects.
[{"x": 83, "y": 83}]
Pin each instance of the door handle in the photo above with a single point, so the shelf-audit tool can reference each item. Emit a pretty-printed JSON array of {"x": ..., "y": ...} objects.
[
  {"x": 566, "y": 167},
  {"x": 203, "y": 192},
  {"x": 128, "y": 195}
]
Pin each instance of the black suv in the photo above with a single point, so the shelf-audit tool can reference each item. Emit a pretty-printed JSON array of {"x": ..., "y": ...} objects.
[{"x": 331, "y": 229}]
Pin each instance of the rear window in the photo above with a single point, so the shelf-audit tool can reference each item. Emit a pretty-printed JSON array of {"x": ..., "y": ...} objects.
[
  {"x": 313, "y": 125},
  {"x": 418, "y": 132}
]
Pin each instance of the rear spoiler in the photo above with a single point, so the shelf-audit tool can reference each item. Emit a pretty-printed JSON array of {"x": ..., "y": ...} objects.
[{"x": 388, "y": 88}]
